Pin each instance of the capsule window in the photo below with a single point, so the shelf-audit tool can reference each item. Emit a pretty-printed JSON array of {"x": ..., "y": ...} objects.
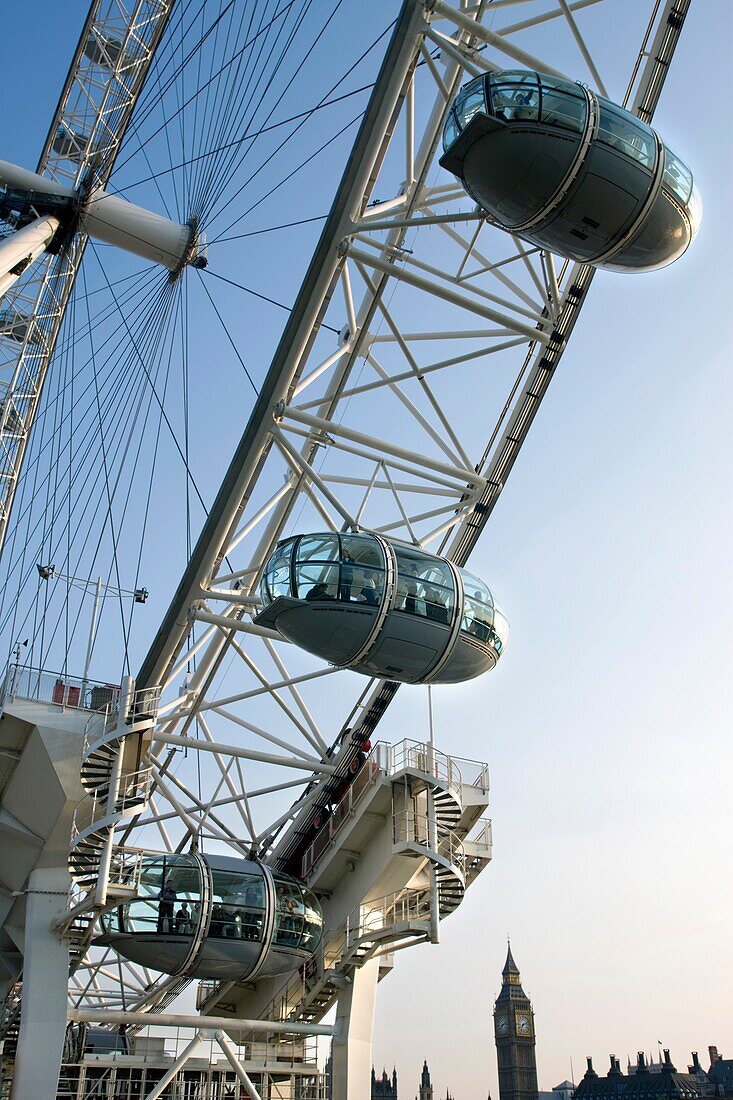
[
  {"x": 168, "y": 900},
  {"x": 312, "y": 922},
  {"x": 501, "y": 630},
  {"x": 450, "y": 131},
  {"x": 470, "y": 105},
  {"x": 515, "y": 97},
  {"x": 424, "y": 586},
  {"x": 621, "y": 131},
  {"x": 677, "y": 176},
  {"x": 563, "y": 109},
  {"x": 361, "y": 578},
  {"x": 694, "y": 208},
  {"x": 238, "y": 906},
  {"x": 290, "y": 914},
  {"x": 478, "y": 608},
  {"x": 317, "y": 568},
  {"x": 277, "y": 578}
]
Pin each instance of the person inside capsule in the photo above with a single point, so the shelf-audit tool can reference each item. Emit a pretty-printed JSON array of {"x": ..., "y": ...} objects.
[
  {"x": 224, "y": 912},
  {"x": 423, "y": 625}
]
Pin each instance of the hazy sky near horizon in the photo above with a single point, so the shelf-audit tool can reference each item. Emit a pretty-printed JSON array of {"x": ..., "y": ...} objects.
[{"x": 606, "y": 726}]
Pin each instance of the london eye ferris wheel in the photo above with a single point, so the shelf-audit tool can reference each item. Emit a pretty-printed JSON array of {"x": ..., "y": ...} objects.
[{"x": 241, "y": 490}]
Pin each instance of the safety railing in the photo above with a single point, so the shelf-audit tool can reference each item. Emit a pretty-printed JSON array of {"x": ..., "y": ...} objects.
[
  {"x": 384, "y": 761},
  {"x": 416, "y": 756},
  {"x": 312, "y": 974},
  {"x": 133, "y": 791},
  {"x": 379, "y": 916},
  {"x": 137, "y": 1071},
  {"x": 44, "y": 686},
  {"x": 369, "y": 774},
  {"x": 484, "y": 837},
  {"x": 474, "y": 773},
  {"x": 9, "y": 1008},
  {"x": 140, "y": 704},
  {"x": 414, "y": 828}
]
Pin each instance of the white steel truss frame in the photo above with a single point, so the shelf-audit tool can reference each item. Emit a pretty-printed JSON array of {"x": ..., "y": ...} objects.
[
  {"x": 306, "y": 450},
  {"x": 94, "y": 111},
  {"x": 308, "y": 407}
]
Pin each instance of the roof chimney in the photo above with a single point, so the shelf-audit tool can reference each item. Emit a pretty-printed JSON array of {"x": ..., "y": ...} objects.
[
  {"x": 695, "y": 1062},
  {"x": 668, "y": 1067},
  {"x": 714, "y": 1056}
]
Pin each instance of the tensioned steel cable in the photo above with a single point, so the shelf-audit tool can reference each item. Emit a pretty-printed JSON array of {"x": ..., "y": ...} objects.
[
  {"x": 90, "y": 467},
  {"x": 289, "y": 137}
]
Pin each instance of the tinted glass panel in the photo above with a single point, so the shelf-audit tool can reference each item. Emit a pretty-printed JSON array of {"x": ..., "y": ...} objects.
[
  {"x": 317, "y": 582},
  {"x": 677, "y": 176},
  {"x": 168, "y": 901},
  {"x": 469, "y": 106},
  {"x": 694, "y": 208},
  {"x": 515, "y": 96},
  {"x": 298, "y": 919},
  {"x": 318, "y": 548},
  {"x": 424, "y": 586},
  {"x": 450, "y": 132},
  {"x": 238, "y": 909},
  {"x": 478, "y": 607},
  {"x": 362, "y": 570},
  {"x": 564, "y": 109},
  {"x": 276, "y": 580},
  {"x": 619, "y": 130}
]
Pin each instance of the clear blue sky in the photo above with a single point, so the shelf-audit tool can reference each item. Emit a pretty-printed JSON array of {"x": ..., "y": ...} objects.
[{"x": 607, "y": 725}]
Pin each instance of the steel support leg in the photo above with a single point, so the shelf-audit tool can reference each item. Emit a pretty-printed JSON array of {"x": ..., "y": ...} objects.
[
  {"x": 352, "y": 1043},
  {"x": 45, "y": 980}
]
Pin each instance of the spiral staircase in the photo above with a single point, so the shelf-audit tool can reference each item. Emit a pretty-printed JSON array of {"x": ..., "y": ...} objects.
[
  {"x": 117, "y": 789},
  {"x": 444, "y": 861}
]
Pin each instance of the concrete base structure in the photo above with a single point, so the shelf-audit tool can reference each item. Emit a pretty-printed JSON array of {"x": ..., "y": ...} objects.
[
  {"x": 45, "y": 982},
  {"x": 352, "y": 1044}
]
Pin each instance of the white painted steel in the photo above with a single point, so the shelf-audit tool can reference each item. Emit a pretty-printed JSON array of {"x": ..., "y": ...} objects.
[
  {"x": 45, "y": 289},
  {"x": 328, "y": 441},
  {"x": 23, "y": 247}
]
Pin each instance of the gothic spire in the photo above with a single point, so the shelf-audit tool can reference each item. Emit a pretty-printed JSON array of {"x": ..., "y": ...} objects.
[{"x": 510, "y": 973}]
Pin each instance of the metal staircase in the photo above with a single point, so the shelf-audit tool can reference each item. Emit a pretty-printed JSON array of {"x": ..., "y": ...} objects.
[
  {"x": 117, "y": 789},
  {"x": 422, "y": 779},
  {"x": 10, "y": 1020}
]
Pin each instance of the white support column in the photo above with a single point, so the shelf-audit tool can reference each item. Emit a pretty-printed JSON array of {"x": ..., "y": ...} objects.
[
  {"x": 231, "y": 1057},
  {"x": 352, "y": 1042},
  {"x": 22, "y": 248},
  {"x": 187, "y": 1053},
  {"x": 45, "y": 979}
]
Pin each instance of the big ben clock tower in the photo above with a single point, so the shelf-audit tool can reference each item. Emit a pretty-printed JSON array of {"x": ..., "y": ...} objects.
[{"x": 514, "y": 1036}]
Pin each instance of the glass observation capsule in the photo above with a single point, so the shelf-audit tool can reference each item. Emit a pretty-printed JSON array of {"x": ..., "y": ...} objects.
[
  {"x": 568, "y": 170},
  {"x": 382, "y": 608},
  {"x": 215, "y": 917}
]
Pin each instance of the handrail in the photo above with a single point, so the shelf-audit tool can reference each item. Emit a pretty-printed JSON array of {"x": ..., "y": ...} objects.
[
  {"x": 134, "y": 788},
  {"x": 47, "y": 686},
  {"x": 367, "y": 775},
  {"x": 386, "y": 760},
  {"x": 414, "y": 828},
  {"x": 380, "y": 914},
  {"x": 101, "y": 725}
]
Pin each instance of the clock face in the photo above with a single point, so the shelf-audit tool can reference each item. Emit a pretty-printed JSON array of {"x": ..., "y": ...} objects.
[
  {"x": 524, "y": 1026},
  {"x": 502, "y": 1025}
]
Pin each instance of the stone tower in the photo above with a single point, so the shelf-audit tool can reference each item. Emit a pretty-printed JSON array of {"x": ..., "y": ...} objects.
[
  {"x": 514, "y": 1037},
  {"x": 426, "y": 1088}
]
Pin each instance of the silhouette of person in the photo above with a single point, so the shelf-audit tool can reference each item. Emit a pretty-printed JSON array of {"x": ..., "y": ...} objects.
[
  {"x": 347, "y": 576},
  {"x": 167, "y": 900},
  {"x": 183, "y": 919}
]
